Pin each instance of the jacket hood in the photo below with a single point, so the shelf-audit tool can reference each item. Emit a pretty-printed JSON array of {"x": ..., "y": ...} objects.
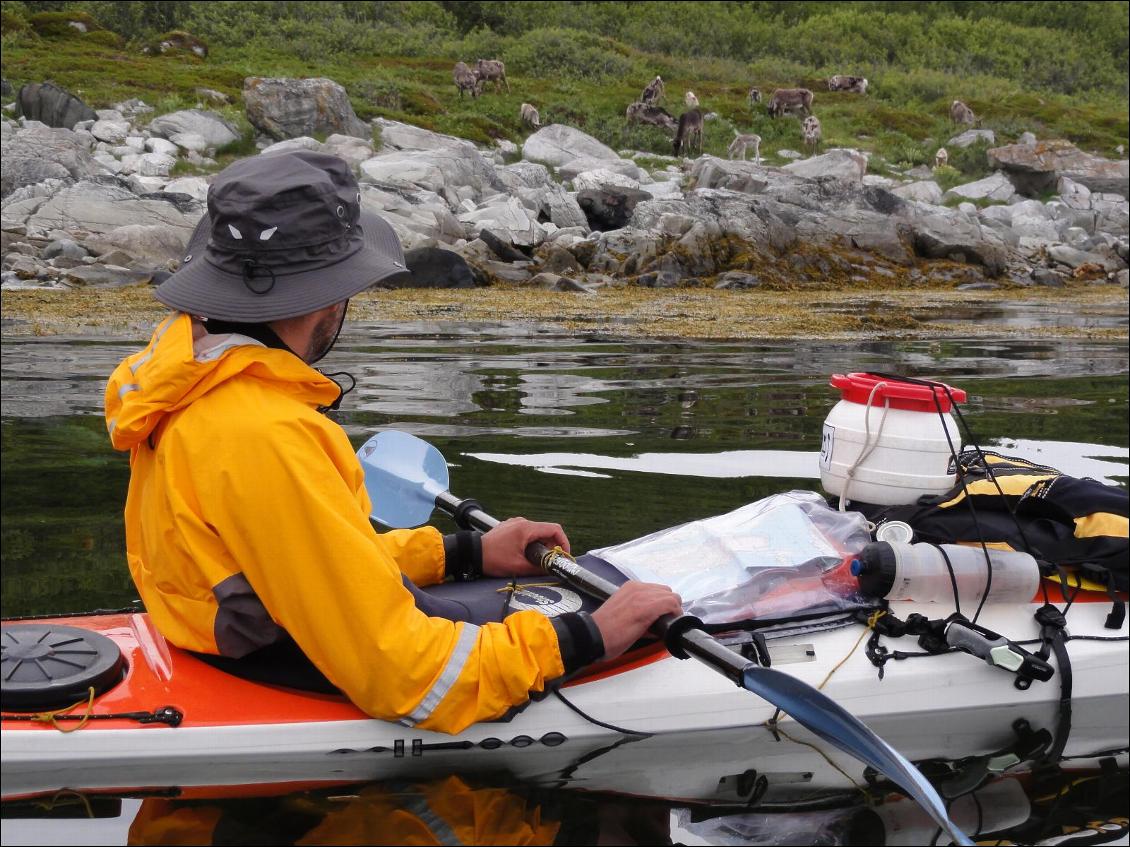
[{"x": 179, "y": 366}]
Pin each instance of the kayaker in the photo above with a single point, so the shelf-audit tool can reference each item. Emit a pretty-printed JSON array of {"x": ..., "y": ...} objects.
[{"x": 247, "y": 528}]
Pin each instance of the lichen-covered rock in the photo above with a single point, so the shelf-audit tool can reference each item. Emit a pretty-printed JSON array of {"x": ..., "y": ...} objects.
[
  {"x": 287, "y": 108},
  {"x": 1035, "y": 168}
]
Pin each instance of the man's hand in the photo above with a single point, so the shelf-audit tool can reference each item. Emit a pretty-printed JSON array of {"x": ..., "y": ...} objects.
[
  {"x": 504, "y": 547},
  {"x": 630, "y": 612}
]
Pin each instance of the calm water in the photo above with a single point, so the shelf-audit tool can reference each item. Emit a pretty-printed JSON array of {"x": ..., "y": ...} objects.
[{"x": 612, "y": 439}]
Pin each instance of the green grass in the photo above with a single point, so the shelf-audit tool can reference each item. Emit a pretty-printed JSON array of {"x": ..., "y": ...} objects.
[{"x": 902, "y": 122}]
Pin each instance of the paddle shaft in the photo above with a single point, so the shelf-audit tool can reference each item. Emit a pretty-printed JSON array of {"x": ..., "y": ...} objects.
[{"x": 681, "y": 633}]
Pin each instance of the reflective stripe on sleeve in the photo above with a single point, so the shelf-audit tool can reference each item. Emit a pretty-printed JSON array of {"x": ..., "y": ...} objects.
[{"x": 451, "y": 672}]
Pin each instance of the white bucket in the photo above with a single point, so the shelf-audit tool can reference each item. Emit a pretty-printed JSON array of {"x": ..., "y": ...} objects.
[{"x": 886, "y": 443}]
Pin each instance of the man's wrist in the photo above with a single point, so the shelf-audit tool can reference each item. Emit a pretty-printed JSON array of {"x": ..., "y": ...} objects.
[
  {"x": 579, "y": 640},
  {"x": 463, "y": 555}
]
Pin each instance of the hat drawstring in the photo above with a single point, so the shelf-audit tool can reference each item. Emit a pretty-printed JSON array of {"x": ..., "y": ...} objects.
[{"x": 249, "y": 266}]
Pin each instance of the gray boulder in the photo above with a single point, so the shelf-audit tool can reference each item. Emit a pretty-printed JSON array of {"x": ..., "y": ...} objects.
[
  {"x": 624, "y": 167},
  {"x": 302, "y": 142},
  {"x": 848, "y": 165},
  {"x": 557, "y": 144},
  {"x": 432, "y": 267},
  {"x": 49, "y": 104},
  {"x": 523, "y": 175},
  {"x": 36, "y": 153},
  {"x": 416, "y": 215},
  {"x": 971, "y": 137},
  {"x": 190, "y": 142},
  {"x": 350, "y": 148},
  {"x": 923, "y": 191},
  {"x": 610, "y": 207},
  {"x": 106, "y": 276},
  {"x": 158, "y": 145},
  {"x": 215, "y": 129},
  {"x": 1035, "y": 168},
  {"x": 952, "y": 236},
  {"x": 455, "y": 173},
  {"x": 711, "y": 172},
  {"x": 64, "y": 248},
  {"x": 195, "y": 187},
  {"x": 507, "y": 218},
  {"x": 112, "y": 132},
  {"x": 145, "y": 244},
  {"x": 401, "y": 136},
  {"x": 287, "y": 108},
  {"x": 1073, "y": 258},
  {"x": 99, "y": 207},
  {"x": 602, "y": 177},
  {"x": 995, "y": 188}
]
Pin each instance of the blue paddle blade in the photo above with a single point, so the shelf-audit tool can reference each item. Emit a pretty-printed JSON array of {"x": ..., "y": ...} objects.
[
  {"x": 828, "y": 719},
  {"x": 403, "y": 475}
]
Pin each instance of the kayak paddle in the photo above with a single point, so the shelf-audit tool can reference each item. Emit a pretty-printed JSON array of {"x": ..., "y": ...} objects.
[{"x": 407, "y": 479}]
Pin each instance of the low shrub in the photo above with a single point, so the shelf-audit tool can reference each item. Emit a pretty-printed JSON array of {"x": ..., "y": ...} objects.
[
  {"x": 567, "y": 53},
  {"x": 62, "y": 24}
]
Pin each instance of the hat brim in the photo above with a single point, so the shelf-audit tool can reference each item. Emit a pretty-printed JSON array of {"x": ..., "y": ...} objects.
[{"x": 201, "y": 288}]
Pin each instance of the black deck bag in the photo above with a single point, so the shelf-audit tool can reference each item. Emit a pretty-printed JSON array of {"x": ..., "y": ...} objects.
[{"x": 1080, "y": 524}]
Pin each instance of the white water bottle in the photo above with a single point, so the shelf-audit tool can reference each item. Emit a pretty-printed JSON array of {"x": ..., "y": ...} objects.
[{"x": 920, "y": 572}]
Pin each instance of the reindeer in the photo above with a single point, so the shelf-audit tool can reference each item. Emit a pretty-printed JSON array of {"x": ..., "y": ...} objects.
[
  {"x": 654, "y": 92},
  {"x": 530, "y": 116},
  {"x": 492, "y": 70},
  {"x": 646, "y": 113},
  {"x": 941, "y": 158},
  {"x": 790, "y": 100},
  {"x": 741, "y": 143},
  {"x": 754, "y": 96},
  {"x": 842, "y": 82},
  {"x": 690, "y": 100},
  {"x": 689, "y": 133},
  {"x": 466, "y": 80},
  {"x": 812, "y": 132},
  {"x": 962, "y": 114}
]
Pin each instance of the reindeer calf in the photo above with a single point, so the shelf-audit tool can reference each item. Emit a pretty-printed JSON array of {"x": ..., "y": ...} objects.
[
  {"x": 742, "y": 142},
  {"x": 529, "y": 116},
  {"x": 812, "y": 132}
]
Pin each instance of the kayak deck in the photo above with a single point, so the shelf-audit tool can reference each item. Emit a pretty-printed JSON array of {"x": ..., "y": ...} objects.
[{"x": 941, "y": 706}]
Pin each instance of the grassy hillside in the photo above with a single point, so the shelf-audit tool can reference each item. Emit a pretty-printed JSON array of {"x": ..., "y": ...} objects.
[{"x": 1056, "y": 69}]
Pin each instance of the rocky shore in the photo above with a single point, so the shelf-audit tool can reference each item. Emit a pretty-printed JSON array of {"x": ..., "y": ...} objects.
[{"x": 101, "y": 205}]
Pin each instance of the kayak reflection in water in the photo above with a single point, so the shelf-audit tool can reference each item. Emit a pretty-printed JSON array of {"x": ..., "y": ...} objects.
[{"x": 448, "y": 811}]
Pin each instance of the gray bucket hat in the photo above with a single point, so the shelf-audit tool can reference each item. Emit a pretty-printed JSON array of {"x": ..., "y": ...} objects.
[{"x": 284, "y": 235}]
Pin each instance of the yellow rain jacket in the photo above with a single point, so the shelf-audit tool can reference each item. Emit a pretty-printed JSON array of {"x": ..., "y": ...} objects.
[{"x": 247, "y": 520}]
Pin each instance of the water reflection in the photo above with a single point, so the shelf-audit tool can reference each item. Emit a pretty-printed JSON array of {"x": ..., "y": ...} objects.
[{"x": 1081, "y": 807}]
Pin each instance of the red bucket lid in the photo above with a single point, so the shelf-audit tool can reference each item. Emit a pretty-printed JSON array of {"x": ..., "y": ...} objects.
[{"x": 911, "y": 396}]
